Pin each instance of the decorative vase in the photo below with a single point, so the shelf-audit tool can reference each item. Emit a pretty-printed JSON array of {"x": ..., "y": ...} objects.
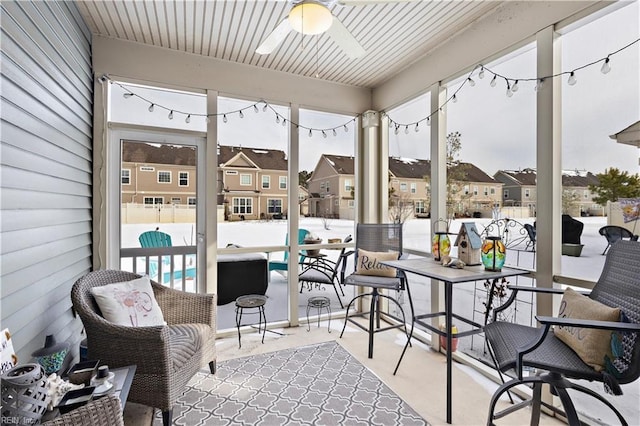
[
  {"x": 24, "y": 394},
  {"x": 440, "y": 246},
  {"x": 493, "y": 254},
  {"x": 52, "y": 355}
]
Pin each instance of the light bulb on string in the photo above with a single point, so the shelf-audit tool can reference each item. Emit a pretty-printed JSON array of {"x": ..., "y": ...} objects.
[
  {"x": 255, "y": 108},
  {"x": 346, "y": 129},
  {"x": 428, "y": 121},
  {"x": 417, "y": 129},
  {"x": 310, "y": 133},
  {"x": 241, "y": 114},
  {"x": 278, "y": 118},
  {"x": 481, "y": 73},
  {"x": 334, "y": 132},
  {"x": 493, "y": 81},
  {"x": 170, "y": 115},
  {"x": 471, "y": 82},
  {"x": 264, "y": 108},
  {"x": 284, "y": 122},
  {"x": 397, "y": 129},
  {"x": 151, "y": 107},
  {"x": 188, "y": 119},
  {"x": 324, "y": 134},
  {"x": 224, "y": 118},
  {"x": 514, "y": 87},
  {"x": 539, "y": 85},
  {"x": 509, "y": 92},
  {"x": 406, "y": 130},
  {"x": 454, "y": 99},
  {"x": 128, "y": 95},
  {"x": 606, "y": 67},
  {"x": 571, "y": 81}
]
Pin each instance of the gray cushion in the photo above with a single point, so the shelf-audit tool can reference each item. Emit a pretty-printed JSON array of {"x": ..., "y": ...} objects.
[{"x": 373, "y": 281}]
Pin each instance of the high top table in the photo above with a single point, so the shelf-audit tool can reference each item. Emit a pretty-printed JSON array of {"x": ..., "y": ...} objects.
[{"x": 429, "y": 268}]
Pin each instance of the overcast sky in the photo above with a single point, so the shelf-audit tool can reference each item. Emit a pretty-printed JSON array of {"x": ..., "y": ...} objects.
[{"x": 498, "y": 132}]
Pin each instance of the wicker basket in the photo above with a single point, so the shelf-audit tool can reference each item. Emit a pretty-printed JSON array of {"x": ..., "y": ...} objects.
[{"x": 24, "y": 394}]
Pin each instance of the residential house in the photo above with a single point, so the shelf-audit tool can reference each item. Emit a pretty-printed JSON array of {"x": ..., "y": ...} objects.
[
  {"x": 332, "y": 192},
  {"x": 520, "y": 190},
  {"x": 158, "y": 174},
  {"x": 253, "y": 182}
]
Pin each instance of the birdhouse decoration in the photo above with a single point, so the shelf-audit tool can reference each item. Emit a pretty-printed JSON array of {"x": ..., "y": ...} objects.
[{"x": 469, "y": 244}]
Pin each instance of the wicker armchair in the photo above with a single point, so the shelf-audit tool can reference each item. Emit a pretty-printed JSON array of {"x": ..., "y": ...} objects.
[
  {"x": 166, "y": 356},
  {"x": 105, "y": 411}
]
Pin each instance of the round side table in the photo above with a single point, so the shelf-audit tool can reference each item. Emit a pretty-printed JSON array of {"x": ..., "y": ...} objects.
[
  {"x": 319, "y": 303},
  {"x": 251, "y": 301}
]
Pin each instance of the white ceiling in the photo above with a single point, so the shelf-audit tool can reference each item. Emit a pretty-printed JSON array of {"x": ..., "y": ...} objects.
[{"x": 394, "y": 34}]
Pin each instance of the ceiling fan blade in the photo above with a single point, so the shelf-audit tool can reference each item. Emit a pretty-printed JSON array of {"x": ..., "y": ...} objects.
[
  {"x": 275, "y": 38},
  {"x": 347, "y": 42}
]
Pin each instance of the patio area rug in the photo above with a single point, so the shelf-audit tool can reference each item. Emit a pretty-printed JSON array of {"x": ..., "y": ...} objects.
[{"x": 311, "y": 385}]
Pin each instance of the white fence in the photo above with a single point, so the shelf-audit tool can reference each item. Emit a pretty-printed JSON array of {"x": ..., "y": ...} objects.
[{"x": 157, "y": 213}]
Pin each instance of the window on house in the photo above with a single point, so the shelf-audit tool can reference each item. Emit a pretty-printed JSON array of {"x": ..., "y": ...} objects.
[
  {"x": 351, "y": 203},
  {"x": 493, "y": 191},
  {"x": 164, "y": 176},
  {"x": 125, "y": 176},
  {"x": 147, "y": 169},
  {"x": 475, "y": 190},
  {"x": 336, "y": 202},
  {"x": 282, "y": 182},
  {"x": 231, "y": 172},
  {"x": 327, "y": 186},
  {"x": 585, "y": 194},
  {"x": 191, "y": 201},
  {"x": 420, "y": 207},
  {"x": 183, "y": 179},
  {"x": 403, "y": 186},
  {"x": 506, "y": 193},
  {"x": 321, "y": 185},
  {"x": 245, "y": 179},
  {"x": 527, "y": 193},
  {"x": 348, "y": 185},
  {"x": 274, "y": 205},
  {"x": 242, "y": 205},
  {"x": 266, "y": 182},
  {"x": 413, "y": 187},
  {"x": 153, "y": 200},
  {"x": 466, "y": 190},
  {"x": 176, "y": 200},
  {"x": 485, "y": 190}
]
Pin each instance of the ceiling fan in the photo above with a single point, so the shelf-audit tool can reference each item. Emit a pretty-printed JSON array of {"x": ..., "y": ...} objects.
[{"x": 313, "y": 17}]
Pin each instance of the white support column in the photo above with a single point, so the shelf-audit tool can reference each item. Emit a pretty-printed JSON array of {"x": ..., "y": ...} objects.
[
  {"x": 371, "y": 169},
  {"x": 549, "y": 166},
  {"x": 211, "y": 219},
  {"x": 293, "y": 213},
  {"x": 438, "y": 185},
  {"x": 549, "y": 172}
]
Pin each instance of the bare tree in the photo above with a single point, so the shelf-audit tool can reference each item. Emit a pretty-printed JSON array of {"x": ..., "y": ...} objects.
[{"x": 400, "y": 207}]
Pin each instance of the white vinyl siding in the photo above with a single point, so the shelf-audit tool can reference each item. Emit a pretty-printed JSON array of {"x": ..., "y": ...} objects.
[{"x": 46, "y": 165}]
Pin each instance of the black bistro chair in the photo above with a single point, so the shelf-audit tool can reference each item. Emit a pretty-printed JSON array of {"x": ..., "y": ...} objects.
[
  {"x": 378, "y": 238},
  {"x": 615, "y": 233},
  {"x": 325, "y": 272},
  {"x": 515, "y": 346}
]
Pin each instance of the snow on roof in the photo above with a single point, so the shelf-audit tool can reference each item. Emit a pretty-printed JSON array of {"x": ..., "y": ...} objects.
[
  {"x": 331, "y": 162},
  {"x": 407, "y": 160},
  {"x": 260, "y": 151}
]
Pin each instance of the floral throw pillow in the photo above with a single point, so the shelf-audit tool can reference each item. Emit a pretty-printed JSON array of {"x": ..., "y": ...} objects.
[{"x": 129, "y": 303}]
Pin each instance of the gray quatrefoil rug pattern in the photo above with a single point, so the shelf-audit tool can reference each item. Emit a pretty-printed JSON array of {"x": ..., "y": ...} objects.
[{"x": 311, "y": 385}]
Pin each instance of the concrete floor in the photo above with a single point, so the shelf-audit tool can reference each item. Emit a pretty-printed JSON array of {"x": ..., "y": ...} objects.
[{"x": 420, "y": 381}]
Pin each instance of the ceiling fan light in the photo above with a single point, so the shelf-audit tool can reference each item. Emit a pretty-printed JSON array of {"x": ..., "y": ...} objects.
[{"x": 310, "y": 18}]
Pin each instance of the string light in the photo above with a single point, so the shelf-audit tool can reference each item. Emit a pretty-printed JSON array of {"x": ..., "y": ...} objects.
[
  {"x": 511, "y": 89},
  {"x": 324, "y": 134},
  {"x": 397, "y": 130},
  {"x": 406, "y": 130},
  {"x": 284, "y": 122}
]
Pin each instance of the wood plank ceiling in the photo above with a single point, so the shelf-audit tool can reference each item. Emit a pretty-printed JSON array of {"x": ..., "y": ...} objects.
[{"x": 394, "y": 33}]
